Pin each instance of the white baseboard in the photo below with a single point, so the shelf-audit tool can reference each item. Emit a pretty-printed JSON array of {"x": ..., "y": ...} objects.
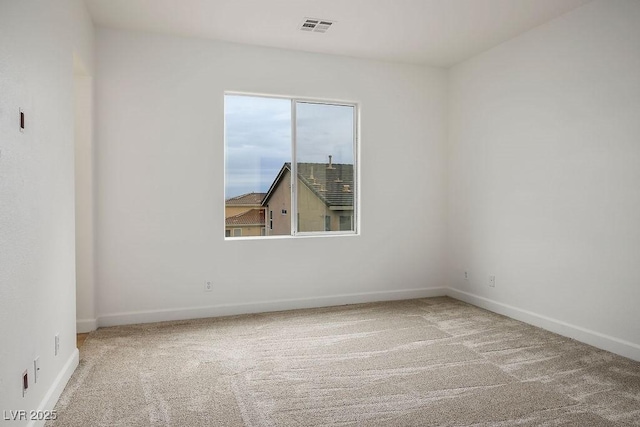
[
  {"x": 53, "y": 394},
  {"x": 130, "y": 318},
  {"x": 596, "y": 339},
  {"x": 86, "y": 325}
]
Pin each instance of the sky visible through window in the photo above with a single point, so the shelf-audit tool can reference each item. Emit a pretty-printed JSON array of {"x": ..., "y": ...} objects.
[
  {"x": 258, "y": 136},
  {"x": 258, "y": 139}
]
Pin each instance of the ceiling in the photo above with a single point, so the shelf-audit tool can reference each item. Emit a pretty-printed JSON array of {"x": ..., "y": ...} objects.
[{"x": 430, "y": 32}]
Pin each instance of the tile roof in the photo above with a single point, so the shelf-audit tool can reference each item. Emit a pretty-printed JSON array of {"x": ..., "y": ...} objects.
[
  {"x": 250, "y": 217},
  {"x": 331, "y": 183},
  {"x": 254, "y": 199}
]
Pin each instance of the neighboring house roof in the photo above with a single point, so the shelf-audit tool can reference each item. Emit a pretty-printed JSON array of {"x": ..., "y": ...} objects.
[
  {"x": 251, "y": 199},
  {"x": 250, "y": 217},
  {"x": 331, "y": 183}
]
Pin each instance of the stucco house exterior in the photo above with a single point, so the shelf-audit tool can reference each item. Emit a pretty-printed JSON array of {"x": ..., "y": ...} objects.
[
  {"x": 325, "y": 199},
  {"x": 245, "y": 215}
]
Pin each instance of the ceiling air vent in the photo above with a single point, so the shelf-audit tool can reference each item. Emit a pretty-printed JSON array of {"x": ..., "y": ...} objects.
[{"x": 316, "y": 25}]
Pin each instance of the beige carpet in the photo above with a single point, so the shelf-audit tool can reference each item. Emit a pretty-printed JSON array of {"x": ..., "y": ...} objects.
[{"x": 427, "y": 362}]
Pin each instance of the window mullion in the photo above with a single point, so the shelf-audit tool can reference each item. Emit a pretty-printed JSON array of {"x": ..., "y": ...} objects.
[
  {"x": 356, "y": 175},
  {"x": 294, "y": 172}
]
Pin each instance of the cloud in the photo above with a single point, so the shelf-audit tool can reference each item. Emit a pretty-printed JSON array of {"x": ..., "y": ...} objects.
[
  {"x": 258, "y": 142},
  {"x": 324, "y": 130},
  {"x": 258, "y": 139}
]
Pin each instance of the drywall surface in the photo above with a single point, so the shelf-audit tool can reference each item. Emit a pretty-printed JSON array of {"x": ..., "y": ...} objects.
[
  {"x": 160, "y": 181},
  {"x": 84, "y": 191},
  {"x": 37, "y": 265},
  {"x": 544, "y": 173}
]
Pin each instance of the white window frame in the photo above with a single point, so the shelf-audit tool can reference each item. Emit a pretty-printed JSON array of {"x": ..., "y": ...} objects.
[
  {"x": 294, "y": 169},
  {"x": 356, "y": 167}
]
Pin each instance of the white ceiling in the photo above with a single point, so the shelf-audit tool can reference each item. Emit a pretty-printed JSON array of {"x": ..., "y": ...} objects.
[{"x": 432, "y": 32}]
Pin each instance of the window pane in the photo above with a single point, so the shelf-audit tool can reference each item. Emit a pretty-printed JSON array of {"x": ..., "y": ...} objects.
[
  {"x": 325, "y": 161},
  {"x": 257, "y": 150},
  {"x": 346, "y": 222}
]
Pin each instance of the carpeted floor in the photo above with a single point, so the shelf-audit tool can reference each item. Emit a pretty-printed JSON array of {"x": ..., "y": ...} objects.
[{"x": 426, "y": 362}]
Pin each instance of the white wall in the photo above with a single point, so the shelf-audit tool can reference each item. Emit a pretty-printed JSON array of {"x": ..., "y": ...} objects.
[
  {"x": 84, "y": 190},
  {"x": 542, "y": 179},
  {"x": 37, "y": 267},
  {"x": 544, "y": 176},
  {"x": 160, "y": 171}
]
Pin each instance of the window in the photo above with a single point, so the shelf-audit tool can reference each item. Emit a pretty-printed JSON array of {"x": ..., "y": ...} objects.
[
  {"x": 268, "y": 141},
  {"x": 346, "y": 222},
  {"x": 227, "y": 233},
  {"x": 237, "y": 232}
]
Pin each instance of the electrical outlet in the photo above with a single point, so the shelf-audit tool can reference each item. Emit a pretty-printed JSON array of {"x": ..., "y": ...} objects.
[
  {"x": 36, "y": 369},
  {"x": 57, "y": 345},
  {"x": 208, "y": 286},
  {"x": 466, "y": 275},
  {"x": 492, "y": 281}
]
